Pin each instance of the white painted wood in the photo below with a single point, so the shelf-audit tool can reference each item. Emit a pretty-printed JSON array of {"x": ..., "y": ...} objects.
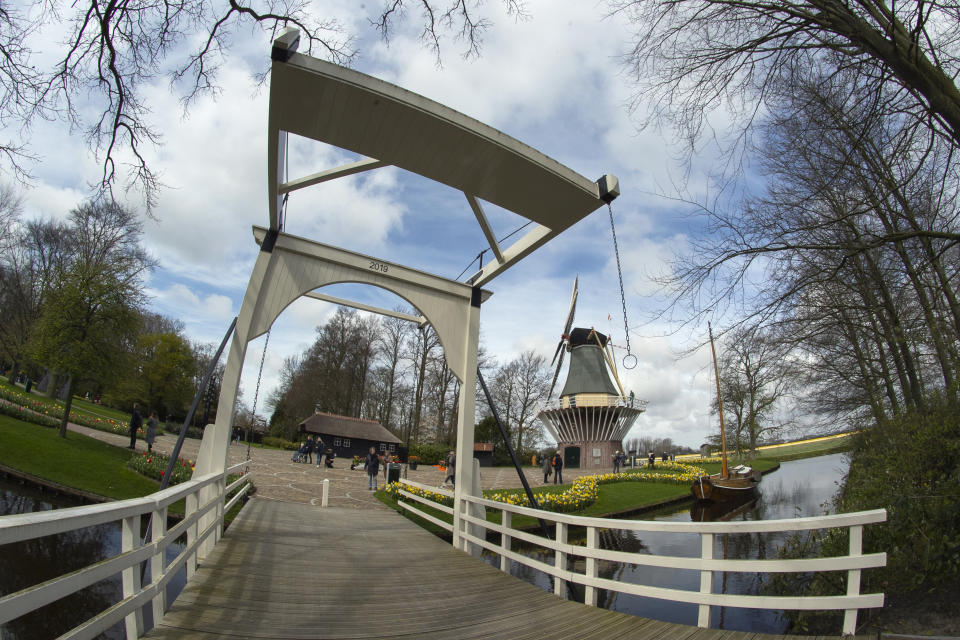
[
  {"x": 427, "y": 516},
  {"x": 366, "y": 307},
  {"x": 560, "y": 560},
  {"x": 706, "y": 564},
  {"x": 158, "y": 524},
  {"x": 706, "y": 579},
  {"x": 128, "y": 562},
  {"x": 753, "y": 526},
  {"x": 427, "y": 501},
  {"x": 130, "y": 577},
  {"x": 190, "y": 508},
  {"x": 330, "y": 174},
  {"x": 853, "y": 580},
  {"x": 325, "y": 102},
  {"x": 465, "y": 486},
  {"x": 439, "y": 490},
  {"x": 590, "y": 570},
  {"x": 485, "y": 227},
  {"x": 505, "y": 541},
  {"x": 325, "y": 497}
]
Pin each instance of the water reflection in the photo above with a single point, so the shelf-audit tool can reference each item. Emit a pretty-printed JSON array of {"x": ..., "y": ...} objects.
[
  {"x": 799, "y": 488},
  {"x": 32, "y": 562}
]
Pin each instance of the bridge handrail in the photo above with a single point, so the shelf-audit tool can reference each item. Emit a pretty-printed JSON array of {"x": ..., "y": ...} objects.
[
  {"x": 134, "y": 552},
  {"x": 475, "y": 527}
]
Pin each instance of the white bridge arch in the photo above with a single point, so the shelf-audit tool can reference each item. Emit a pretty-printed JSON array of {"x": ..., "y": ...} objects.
[{"x": 390, "y": 126}]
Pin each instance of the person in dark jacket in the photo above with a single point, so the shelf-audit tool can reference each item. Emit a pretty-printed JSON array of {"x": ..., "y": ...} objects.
[
  {"x": 136, "y": 421},
  {"x": 546, "y": 465},
  {"x": 373, "y": 467},
  {"x": 557, "y": 468},
  {"x": 451, "y": 463}
]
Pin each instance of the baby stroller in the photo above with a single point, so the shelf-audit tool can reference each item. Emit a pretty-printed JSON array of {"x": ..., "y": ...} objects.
[{"x": 300, "y": 455}]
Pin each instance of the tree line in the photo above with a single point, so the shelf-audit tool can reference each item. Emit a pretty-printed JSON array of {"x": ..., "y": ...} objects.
[
  {"x": 393, "y": 371},
  {"x": 73, "y": 312}
]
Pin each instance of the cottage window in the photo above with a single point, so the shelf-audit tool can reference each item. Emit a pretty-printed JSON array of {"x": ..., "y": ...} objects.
[
  {"x": 383, "y": 447},
  {"x": 336, "y": 442},
  {"x": 393, "y": 448},
  {"x": 346, "y": 442}
]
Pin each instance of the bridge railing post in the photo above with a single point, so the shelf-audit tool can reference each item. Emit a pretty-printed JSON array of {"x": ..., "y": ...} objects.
[
  {"x": 130, "y": 577},
  {"x": 158, "y": 532},
  {"x": 853, "y": 579},
  {"x": 505, "y": 541},
  {"x": 190, "y": 507},
  {"x": 560, "y": 561},
  {"x": 706, "y": 578},
  {"x": 590, "y": 592}
]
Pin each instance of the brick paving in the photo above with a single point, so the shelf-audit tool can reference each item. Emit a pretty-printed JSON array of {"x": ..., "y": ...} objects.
[{"x": 277, "y": 477}]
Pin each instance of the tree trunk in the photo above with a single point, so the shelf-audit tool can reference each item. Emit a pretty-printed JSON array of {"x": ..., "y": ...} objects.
[{"x": 72, "y": 381}]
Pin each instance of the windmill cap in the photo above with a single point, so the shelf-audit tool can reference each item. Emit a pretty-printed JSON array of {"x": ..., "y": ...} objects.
[{"x": 581, "y": 336}]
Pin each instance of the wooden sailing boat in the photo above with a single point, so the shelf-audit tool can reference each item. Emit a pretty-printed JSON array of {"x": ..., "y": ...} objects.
[{"x": 730, "y": 485}]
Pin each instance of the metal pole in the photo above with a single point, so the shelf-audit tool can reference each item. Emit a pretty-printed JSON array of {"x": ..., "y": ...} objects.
[
  {"x": 571, "y": 590},
  {"x": 193, "y": 407}
]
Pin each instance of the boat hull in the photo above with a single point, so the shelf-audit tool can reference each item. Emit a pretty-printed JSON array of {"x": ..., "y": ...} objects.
[{"x": 716, "y": 488}]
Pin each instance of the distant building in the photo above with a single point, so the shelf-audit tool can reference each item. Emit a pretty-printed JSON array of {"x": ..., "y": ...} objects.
[
  {"x": 483, "y": 451},
  {"x": 349, "y": 437}
]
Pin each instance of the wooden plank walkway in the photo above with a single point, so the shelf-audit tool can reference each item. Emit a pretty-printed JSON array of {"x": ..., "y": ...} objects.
[{"x": 287, "y": 570}]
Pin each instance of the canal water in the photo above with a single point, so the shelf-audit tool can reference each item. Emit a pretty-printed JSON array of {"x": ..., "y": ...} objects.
[
  {"x": 29, "y": 563},
  {"x": 799, "y": 488}
]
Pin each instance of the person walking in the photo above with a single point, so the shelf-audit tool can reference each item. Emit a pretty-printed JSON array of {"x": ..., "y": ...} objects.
[
  {"x": 546, "y": 465},
  {"x": 451, "y": 469},
  {"x": 387, "y": 459},
  {"x": 152, "y": 423},
  {"x": 373, "y": 467},
  {"x": 558, "y": 468},
  {"x": 616, "y": 462},
  {"x": 136, "y": 421},
  {"x": 311, "y": 447}
]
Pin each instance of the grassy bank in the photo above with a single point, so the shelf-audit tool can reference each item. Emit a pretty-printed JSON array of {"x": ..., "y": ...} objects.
[{"x": 76, "y": 461}]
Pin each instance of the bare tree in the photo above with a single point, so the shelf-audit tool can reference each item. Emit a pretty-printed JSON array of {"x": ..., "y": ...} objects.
[
  {"x": 691, "y": 55},
  {"x": 106, "y": 53},
  {"x": 754, "y": 378}
]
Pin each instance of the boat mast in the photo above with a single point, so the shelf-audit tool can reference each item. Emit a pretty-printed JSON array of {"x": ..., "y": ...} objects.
[{"x": 723, "y": 431}]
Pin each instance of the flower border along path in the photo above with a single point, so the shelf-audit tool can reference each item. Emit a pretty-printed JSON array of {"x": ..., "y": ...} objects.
[{"x": 582, "y": 493}]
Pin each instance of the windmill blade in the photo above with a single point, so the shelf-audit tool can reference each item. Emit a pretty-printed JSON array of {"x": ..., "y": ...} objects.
[
  {"x": 557, "y": 352},
  {"x": 556, "y": 373},
  {"x": 573, "y": 308}
]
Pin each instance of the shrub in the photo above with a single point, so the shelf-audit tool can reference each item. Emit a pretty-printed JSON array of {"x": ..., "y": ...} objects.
[
  {"x": 280, "y": 443},
  {"x": 909, "y": 465}
]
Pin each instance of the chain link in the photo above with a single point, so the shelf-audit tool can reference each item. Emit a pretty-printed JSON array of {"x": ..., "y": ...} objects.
[
  {"x": 256, "y": 394},
  {"x": 623, "y": 298}
]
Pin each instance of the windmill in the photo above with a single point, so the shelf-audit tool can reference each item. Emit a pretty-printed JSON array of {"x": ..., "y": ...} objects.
[{"x": 593, "y": 412}]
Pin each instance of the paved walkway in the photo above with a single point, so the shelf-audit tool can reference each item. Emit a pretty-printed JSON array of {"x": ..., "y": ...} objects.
[{"x": 278, "y": 478}]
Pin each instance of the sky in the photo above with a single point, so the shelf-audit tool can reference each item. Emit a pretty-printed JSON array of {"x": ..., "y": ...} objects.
[{"x": 554, "y": 81}]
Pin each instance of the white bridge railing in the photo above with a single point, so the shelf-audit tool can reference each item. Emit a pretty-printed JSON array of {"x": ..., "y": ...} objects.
[
  {"x": 205, "y": 506},
  {"x": 853, "y": 563}
]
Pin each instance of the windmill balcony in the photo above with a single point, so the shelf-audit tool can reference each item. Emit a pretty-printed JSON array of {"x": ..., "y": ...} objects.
[{"x": 595, "y": 400}]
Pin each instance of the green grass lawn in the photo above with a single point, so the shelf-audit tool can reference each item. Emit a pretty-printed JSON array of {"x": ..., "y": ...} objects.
[{"x": 75, "y": 461}]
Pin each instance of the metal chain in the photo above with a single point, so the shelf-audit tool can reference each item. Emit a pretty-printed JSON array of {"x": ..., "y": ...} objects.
[
  {"x": 256, "y": 394},
  {"x": 623, "y": 298}
]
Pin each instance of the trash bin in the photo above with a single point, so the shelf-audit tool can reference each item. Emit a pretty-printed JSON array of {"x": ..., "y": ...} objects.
[{"x": 393, "y": 472}]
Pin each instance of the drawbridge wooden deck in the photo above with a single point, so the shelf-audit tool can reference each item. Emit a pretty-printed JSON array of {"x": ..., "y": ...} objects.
[{"x": 288, "y": 570}]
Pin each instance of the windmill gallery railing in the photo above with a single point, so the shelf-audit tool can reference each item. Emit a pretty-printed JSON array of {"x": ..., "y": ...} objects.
[
  {"x": 706, "y": 564},
  {"x": 134, "y": 550}
]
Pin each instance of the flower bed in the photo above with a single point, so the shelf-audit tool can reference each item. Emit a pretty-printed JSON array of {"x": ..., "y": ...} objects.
[
  {"x": 581, "y": 494},
  {"x": 154, "y": 465},
  {"x": 54, "y": 411}
]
